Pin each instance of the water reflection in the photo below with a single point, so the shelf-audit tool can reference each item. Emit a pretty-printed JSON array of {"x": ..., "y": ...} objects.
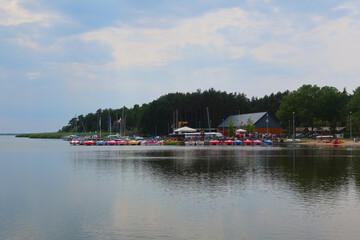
[
  {"x": 280, "y": 192},
  {"x": 310, "y": 172},
  {"x": 113, "y": 192}
]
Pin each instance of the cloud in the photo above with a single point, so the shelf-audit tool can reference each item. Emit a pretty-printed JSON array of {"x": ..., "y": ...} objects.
[
  {"x": 33, "y": 75},
  {"x": 155, "y": 46},
  {"x": 350, "y": 7},
  {"x": 13, "y": 14},
  {"x": 300, "y": 48},
  {"x": 331, "y": 45}
]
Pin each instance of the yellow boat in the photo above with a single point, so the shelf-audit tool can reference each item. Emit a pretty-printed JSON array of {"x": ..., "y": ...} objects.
[{"x": 132, "y": 142}]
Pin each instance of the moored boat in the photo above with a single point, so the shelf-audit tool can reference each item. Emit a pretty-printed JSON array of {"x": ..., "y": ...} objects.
[
  {"x": 214, "y": 142},
  {"x": 337, "y": 141},
  {"x": 171, "y": 142},
  {"x": 248, "y": 142},
  {"x": 268, "y": 142},
  {"x": 227, "y": 142},
  {"x": 120, "y": 142},
  {"x": 238, "y": 142},
  {"x": 100, "y": 142},
  {"x": 132, "y": 142},
  {"x": 111, "y": 142},
  {"x": 257, "y": 142},
  {"x": 89, "y": 142},
  {"x": 75, "y": 142}
]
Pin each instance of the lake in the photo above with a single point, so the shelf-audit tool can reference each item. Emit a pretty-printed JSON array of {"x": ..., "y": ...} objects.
[{"x": 51, "y": 190}]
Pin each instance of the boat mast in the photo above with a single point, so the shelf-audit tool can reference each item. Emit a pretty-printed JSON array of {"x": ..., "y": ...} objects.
[
  {"x": 109, "y": 123},
  {"x": 100, "y": 125},
  {"x": 173, "y": 125},
  {"x": 122, "y": 125},
  {"x": 117, "y": 125},
  {"x": 207, "y": 110},
  {"x": 75, "y": 124},
  {"x": 177, "y": 118}
]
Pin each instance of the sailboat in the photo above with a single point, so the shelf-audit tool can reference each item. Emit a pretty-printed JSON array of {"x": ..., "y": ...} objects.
[{"x": 100, "y": 142}]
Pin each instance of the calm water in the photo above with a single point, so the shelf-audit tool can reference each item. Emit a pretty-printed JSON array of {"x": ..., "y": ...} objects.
[{"x": 51, "y": 190}]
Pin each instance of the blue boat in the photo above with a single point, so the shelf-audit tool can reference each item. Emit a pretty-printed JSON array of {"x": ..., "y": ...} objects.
[
  {"x": 238, "y": 142},
  {"x": 100, "y": 142},
  {"x": 269, "y": 142}
]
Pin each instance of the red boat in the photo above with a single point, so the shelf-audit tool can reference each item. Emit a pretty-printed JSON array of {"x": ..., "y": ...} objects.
[
  {"x": 248, "y": 142},
  {"x": 257, "y": 142},
  {"x": 112, "y": 142},
  {"x": 227, "y": 142},
  {"x": 214, "y": 142},
  {"x": 120, "y": 142},
  {"x": 89, "y": 143}
]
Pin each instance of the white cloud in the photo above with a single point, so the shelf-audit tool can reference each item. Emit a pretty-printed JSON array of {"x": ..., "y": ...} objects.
[
  {"x": 350, "y": 7},
  {"x": 32, "y": 75},
  {"x": 12, "y": 14},
  {"x": 307, "y": 48},
  {"x": 153, "y": 47}
]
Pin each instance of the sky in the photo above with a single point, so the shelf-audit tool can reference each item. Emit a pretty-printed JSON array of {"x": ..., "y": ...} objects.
[{"x": 63, "y": 58}]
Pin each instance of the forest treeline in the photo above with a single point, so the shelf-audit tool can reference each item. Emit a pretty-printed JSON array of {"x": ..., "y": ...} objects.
[{"x": 312, "y": 106}]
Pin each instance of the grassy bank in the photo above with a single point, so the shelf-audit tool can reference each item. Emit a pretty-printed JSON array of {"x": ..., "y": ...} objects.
[{"x": 54, "y": 135}]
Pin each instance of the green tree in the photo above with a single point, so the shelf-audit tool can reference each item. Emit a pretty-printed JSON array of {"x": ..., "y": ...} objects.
[
  {"x": 354, "y": 108},
  {"x": 249, "y": 126},
  {"x": 303, "y": 102},
  {"x": 231, "y": 128},
  {"x": 332, "y": 105}
]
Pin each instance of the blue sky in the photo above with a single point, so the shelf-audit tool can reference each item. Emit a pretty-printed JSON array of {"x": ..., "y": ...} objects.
[{"x": 60, "y": 58}]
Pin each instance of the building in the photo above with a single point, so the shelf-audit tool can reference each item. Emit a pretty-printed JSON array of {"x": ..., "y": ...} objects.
[{"x": 263, "y": 122}]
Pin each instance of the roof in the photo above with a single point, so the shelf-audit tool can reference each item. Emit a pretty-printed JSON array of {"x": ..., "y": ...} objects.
[{"x": 237, "y": 119}]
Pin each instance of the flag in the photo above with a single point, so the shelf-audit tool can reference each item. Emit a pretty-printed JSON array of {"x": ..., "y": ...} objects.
[
  {"x": 108, "y": 121},
  {"x": 119, "y": 121}
]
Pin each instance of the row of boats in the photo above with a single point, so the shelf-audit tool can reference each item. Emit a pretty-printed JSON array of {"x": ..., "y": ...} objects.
[
  {"x": 170, "y": 142},
  {"x": 337, "y": 141}
]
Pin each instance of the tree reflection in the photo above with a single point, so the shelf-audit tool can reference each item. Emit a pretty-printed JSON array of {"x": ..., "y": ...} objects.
[{"x": 309, "y": 172}]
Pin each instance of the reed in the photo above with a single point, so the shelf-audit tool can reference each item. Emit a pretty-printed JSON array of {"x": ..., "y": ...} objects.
[{"x": 54, "y": 135}]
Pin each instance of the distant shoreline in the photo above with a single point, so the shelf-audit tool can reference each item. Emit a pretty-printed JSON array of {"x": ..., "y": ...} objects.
[{"x": 51, "y": 135}]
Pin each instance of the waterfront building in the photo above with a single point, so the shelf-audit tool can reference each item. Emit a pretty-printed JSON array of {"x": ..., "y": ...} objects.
[{"x": 263, "y": 123}]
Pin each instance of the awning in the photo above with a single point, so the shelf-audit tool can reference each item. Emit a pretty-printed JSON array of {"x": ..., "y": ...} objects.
[
  {"x": 240, "y": 131},
  {"x": 185, "y": 130}
]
